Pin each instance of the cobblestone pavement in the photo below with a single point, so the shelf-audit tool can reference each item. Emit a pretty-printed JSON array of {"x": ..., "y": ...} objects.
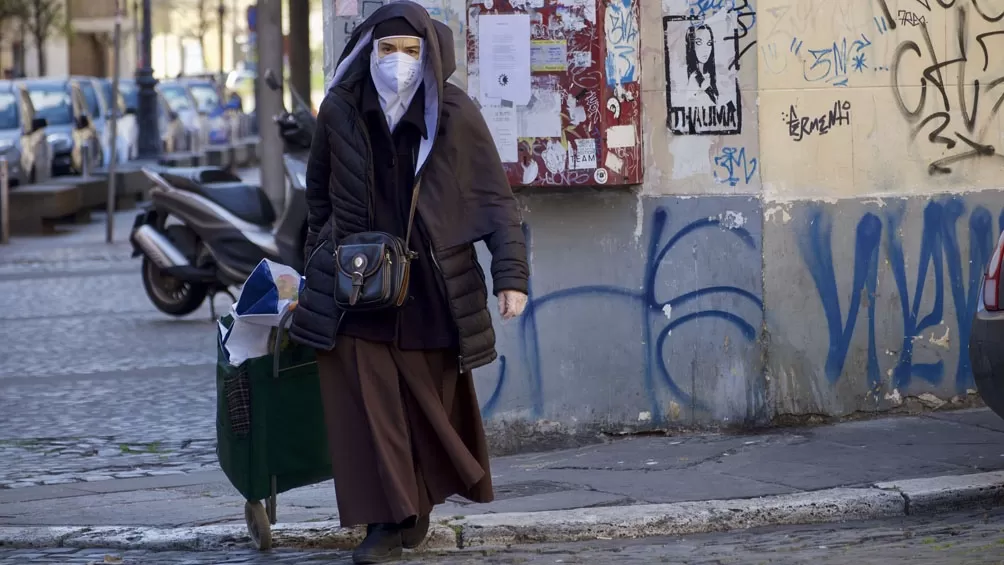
[
  {"x": 95, "y": 383},
  {"x": 972, "y": 538}
]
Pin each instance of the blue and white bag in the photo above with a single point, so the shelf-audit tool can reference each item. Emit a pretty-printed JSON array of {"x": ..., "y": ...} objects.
[{"x": 267, "y": 294}]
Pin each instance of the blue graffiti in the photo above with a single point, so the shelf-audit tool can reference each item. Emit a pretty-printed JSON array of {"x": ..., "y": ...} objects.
[
  {"x": 939, "y": 248},
  {"x": 622, "y": 42},
  {"x": 830, "y": 64},
  {"x": 655, "y": 368},
  {"x": 735, "y": 162},
  {"x": 702, "y": 7},
  {"x": 817, "y": 252}
]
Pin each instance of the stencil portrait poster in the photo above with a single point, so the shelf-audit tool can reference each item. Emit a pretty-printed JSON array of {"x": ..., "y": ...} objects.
[{"x": 702, "y": 81}]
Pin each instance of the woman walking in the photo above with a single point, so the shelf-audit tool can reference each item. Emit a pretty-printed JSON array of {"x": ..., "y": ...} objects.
[{"x": 403, "y": 179}]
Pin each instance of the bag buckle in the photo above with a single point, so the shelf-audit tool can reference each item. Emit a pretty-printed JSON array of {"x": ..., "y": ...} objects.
[{"x": 357, "y": 287}]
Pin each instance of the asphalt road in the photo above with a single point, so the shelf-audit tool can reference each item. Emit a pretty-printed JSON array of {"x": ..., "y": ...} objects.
[{"x": 972, "y": 538}]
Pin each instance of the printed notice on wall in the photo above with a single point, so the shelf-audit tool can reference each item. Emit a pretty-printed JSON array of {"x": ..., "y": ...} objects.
[
  {"x": 549, "y": 55},
  {"x": 504, "y": 57},
  {"x": 502, "y": 123},
  {"x": 585, "y": 154}
]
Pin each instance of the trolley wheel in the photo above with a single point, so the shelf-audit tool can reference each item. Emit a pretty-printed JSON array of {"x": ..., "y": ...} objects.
[{"x": 258, "y": 525}]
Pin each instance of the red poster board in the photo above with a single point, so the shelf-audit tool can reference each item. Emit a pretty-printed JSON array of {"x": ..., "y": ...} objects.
[{"x": 582, "y": 125}]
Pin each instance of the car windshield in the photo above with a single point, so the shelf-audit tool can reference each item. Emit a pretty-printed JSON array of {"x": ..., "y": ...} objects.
[
  {"x": 206, "y": 97},
  {"x": 130, "y": 93},
  {"x": 91, "y": 96},
  {"x": 106, "y": 91},
  {"x": 51, "y": 102},
  {"x": 176, "y": 98},
  {"x": 9, "y": 115}
]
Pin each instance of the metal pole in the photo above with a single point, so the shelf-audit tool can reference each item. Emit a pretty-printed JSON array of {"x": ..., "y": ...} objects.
[
  {"x": 116, "y": 61},
  {"x": 299, "y": 48},
  {"x": 269, "y": 102},
  {"x": 223, "y": 69},
  {"x": 137, "y": 34},
  {"x": 146, "y": 114},
  {"x": 4, "y": 202}
]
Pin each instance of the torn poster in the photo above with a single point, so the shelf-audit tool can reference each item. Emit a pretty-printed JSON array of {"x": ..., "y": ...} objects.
[
  {"x": 613, "y": 162},
  {"x": 541, "y": 118},
  {"x": 549, "y": 55},
  {"x": 504, "y": 127},
  {"x": 621, "y": 136},
  {"x": 504, "y": 57}
]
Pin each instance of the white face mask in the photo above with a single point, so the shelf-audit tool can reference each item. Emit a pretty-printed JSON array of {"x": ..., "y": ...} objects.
[
  {"x": 397, "y": 71},
  {"x": 397, "y": 77}
]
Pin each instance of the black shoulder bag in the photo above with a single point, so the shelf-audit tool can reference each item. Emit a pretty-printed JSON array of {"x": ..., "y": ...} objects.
[{"x": 372, "y": 269}]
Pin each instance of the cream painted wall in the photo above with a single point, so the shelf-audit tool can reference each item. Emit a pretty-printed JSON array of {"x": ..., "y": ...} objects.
[
  {"x": 811, "y": 55},
  {"x": 807, "y": 47}
]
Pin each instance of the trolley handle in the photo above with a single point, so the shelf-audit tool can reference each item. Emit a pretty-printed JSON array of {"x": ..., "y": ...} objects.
[{"x": 284, "y": 323}]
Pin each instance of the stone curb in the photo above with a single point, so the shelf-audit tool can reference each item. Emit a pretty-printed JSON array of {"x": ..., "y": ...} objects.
[{"x": 882, "y": 500}]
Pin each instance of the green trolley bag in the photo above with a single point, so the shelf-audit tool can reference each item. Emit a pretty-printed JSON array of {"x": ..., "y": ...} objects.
[{"x": 270, "y": 428}]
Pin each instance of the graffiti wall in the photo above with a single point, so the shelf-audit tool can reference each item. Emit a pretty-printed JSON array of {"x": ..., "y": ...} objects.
[
  {"x": 877, "y": 97},
  {"x": 822, "y": 189},
  {"x": 881, "y": 183},
  {"x": 659, "y": 328},
  {"x": 873, "y": 300}
]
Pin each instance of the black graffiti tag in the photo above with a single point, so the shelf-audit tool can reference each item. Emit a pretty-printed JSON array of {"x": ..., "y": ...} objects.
[
  {"x": 801, "y": 126},
  {"x": 940, "y": 118}
]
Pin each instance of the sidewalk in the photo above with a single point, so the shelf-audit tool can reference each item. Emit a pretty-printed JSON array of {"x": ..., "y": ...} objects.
[{"x": 612, "y": 481}]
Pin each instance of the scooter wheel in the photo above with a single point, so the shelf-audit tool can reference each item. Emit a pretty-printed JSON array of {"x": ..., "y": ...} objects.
[{"x": 170, "y": 295}]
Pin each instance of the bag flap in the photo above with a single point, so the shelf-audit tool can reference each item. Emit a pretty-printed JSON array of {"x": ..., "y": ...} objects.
[{"x": 364, "y": 257}]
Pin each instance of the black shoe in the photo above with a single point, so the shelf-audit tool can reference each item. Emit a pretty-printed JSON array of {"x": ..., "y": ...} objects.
[
  {"x": 414, "y": 536},
  {"x": 382, "y": 545}
]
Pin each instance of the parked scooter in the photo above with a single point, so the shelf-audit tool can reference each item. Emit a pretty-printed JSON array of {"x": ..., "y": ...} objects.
[{"x": 206, "y": 230}]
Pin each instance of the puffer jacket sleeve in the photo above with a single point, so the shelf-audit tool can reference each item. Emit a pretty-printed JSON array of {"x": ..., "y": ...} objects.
[
  {"x": 318, "y": 179},
  {"x": 510, "y": 269}
]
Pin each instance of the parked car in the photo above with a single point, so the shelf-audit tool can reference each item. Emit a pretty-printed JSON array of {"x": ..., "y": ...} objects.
[
  {"x": 242, "y": 83},
  {"x": 209, "y": 105},
  {"x": 63, "y": 105},
  {"x": 22, "y": 137},
  {"x": 177, "y": 104},
  {"x": 128, "y": 129},
  {"x": 986, "y": 340}
]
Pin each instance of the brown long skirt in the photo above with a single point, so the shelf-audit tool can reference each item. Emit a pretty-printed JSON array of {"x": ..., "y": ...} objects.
[{"x": 404, "y": 430}]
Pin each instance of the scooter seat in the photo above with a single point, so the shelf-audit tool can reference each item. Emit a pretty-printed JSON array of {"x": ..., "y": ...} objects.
[{"x": 246, "y": 201}]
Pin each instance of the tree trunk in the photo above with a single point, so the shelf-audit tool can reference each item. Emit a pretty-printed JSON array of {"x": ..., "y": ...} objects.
[
  {"x": 299, "y": 48},
  {"x": 40, "y": 51}
]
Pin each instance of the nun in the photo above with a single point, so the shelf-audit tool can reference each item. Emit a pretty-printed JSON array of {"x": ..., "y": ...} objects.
[{"x": 400, "y": 152}]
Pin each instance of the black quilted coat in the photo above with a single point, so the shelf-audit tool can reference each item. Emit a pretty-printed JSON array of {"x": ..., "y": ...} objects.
[{"x": 464, "y": 197}]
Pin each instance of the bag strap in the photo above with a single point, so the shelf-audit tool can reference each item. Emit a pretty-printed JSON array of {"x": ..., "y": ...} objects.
[
  {"x": 414, "y": 203},
  {"x": 411, "y": 214}
]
